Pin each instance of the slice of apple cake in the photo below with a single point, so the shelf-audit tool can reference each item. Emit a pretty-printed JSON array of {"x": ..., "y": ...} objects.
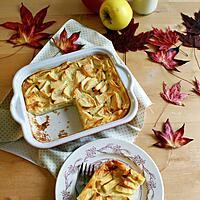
[{"x": 112, "y": 181}]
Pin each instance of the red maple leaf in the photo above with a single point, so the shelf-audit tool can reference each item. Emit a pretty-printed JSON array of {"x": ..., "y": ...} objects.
[
  {"x": 192, "y": 36},
  {"x": 190, "y": 40},
  {"x": 125, "y": 39},
  {"x": 167, "y": 138},
  {"x": 192, "y": 24},
  {"x": 163, "y": 39},
  {"x": 173, "y": 94},
  {"x": 67, "y": 45},
  {"x": 166, "y": 58},
  {"x": 197, "y": 86},
  {"x": 29, "y": 32}
]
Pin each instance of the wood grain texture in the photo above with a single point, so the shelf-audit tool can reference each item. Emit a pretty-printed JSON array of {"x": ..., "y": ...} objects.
[{"x": 21, "y": 180}]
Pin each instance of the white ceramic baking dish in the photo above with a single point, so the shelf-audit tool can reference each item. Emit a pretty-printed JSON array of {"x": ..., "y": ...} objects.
[{"x": 63, "y": 124}]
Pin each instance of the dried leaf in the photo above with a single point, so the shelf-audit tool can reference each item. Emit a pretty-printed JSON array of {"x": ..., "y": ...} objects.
[
  {"x": 189, "y": 40},
  {"x": 125, "y": 39},
  {"x": 67, "y": 45},
  {"x": 192, "y": 24},
  {"x": 197, "y": 86},
  {"x": 29, "y": 31},
  {"x": 192, "y": 36},
  {"x": 166, "y": 58},
  {"x": 167, "y": 138},
  {"x": 163, "y": 39},
  {"x": 173, "y": 94}
]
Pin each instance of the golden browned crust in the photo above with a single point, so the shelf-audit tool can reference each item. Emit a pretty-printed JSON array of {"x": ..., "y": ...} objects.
[
  {"x": 92, "y": 84},
  {"x": 112, "y": 181}
]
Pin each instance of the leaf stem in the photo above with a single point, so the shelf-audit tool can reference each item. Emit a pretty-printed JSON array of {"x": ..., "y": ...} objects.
[
  {"x": 57, "y": 53},
  {"x": 160, "y": 115},
  {"x": 168, "y": 161},
  {"x": 12, "y": 54},
  {"x": 195, "y": 56},
  {"x": 183, "y": 79},
  {"x": 183, "y": 52},
  {"x": 34, "y": 53},
  {"x": 125, "y": 58}
]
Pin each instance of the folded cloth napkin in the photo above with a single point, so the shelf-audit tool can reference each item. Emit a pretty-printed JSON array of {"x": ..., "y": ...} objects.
[{"x": 11, "y": 138}]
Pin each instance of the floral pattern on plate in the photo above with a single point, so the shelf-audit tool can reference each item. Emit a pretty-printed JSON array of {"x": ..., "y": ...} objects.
[{"x": 101, "y": 151}]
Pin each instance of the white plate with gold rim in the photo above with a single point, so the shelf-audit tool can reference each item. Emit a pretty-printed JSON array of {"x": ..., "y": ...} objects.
[{"x": 102, "y": 150}]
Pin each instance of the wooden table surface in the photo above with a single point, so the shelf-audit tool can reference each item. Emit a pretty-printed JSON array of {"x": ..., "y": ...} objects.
[{"x": 21, "y": 180}]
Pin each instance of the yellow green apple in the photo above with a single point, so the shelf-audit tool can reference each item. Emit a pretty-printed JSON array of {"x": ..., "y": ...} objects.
[{"x": 115, "y": 14}]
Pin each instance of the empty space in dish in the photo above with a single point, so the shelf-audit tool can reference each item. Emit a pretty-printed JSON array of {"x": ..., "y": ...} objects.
[{"x": 56, "y": 124}]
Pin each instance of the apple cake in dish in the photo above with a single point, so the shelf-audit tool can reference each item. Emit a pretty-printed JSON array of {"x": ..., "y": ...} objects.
[
  {"x": 112, "y": 181},
  {"x": 92, "y": 84}
]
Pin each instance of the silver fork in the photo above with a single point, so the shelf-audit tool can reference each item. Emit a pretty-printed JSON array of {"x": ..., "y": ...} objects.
[{"x": 85, "y": 173}]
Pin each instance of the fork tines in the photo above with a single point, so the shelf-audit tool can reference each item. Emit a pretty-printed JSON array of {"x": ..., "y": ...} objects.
[{"x": 86, "y": 171}]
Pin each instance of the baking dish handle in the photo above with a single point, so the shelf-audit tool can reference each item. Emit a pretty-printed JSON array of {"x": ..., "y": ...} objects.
[
  {"x": 15, "y": 109},
  {"x": 129, "y": 75}
]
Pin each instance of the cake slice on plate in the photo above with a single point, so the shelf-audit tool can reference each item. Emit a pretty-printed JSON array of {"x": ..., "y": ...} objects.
[{"x": 112, "y": 181}]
